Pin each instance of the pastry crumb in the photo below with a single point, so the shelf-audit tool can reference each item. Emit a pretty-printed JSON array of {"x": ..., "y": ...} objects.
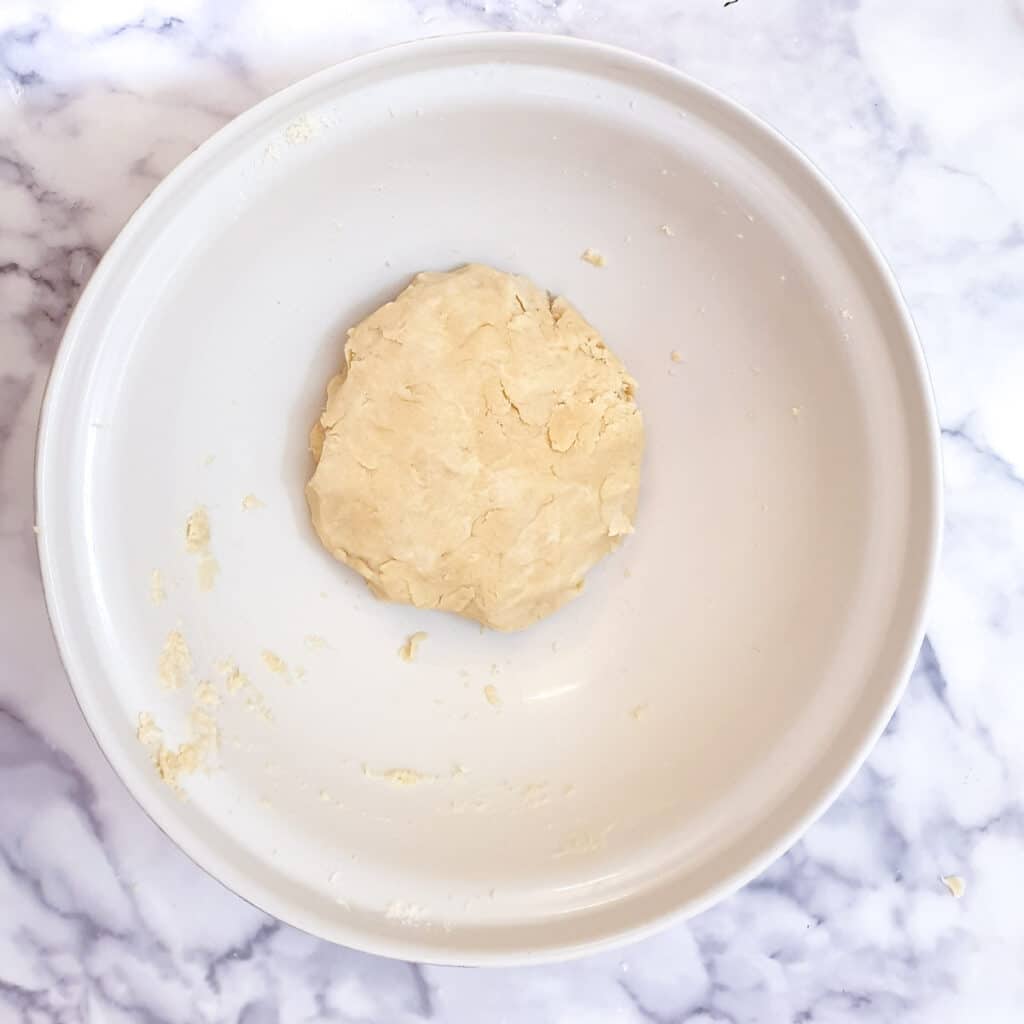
[
  {"x": 175, "y": 661},
  {"x": 639, "y": 711},
  {"x": 407, "y": 652},
  {"x": 492, "y": 696},
  {"x": 667, "y": 231},
  {"x": 197, "y": 531},
  {"x": 535, "y": 794},
  {"x": 234, "y": 678},
  {"x": 676, "y": 356},
  {"x": 955, "y": 884},
  {"x": 207, "y": 572},
  {"x": 274, "y": 662},
  {"x": 399, "y": 776},
  {"x": 584, "y": 841},
  {"x": 406, "y": 913},
  {"x": 254, "y": 702},
  {"x": 593, "y": 257},
  {"x": 148, "y": 732},
  {"x": 173, "y": 762},
  {"x": 314, "y": 641},
  {"x": 207, "y": 694},
  {"x": 796, "y": 410},
  {"x": 197, "y": 542},
  {"x": 302, "y": 129},
  {"x": 250, "y": 501},
  {"x": 157, "y": 593}
]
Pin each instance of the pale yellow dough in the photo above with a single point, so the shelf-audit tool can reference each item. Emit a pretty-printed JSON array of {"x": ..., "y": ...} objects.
[{"x": 479, "y": 451}]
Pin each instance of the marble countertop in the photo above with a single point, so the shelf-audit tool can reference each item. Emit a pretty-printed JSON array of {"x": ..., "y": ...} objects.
[{"x": 915, "y": 110}]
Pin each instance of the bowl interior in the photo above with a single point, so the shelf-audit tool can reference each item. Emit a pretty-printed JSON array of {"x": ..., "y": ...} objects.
[{"x": 651, "y": 743}]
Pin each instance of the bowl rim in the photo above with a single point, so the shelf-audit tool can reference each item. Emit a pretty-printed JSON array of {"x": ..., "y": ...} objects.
[{"x": 525, "y": 47}]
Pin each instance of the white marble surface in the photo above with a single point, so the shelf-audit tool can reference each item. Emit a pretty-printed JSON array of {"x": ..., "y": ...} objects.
[{"x": 915, "y": 110}]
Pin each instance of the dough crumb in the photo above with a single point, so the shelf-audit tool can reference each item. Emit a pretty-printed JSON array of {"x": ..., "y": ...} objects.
[
  {"x": 302, "y": 129},
  {"x": 955, "y": 884},
  {"x": 795, "y": 411},
  {"x": 492, "y": 696},
  {"x": 274, "y": 662},
  {"x": 197, "y": 531},
  {"x": 157, "y": 594},
  {"x": 197, "y": 542},
  {"x": 250, "y": 501},
  {"x": 676, "y": 356},
  {"x": 667, "y": 231},
  {"x": 314, "y": 641},
  {"x": 255, "y": 703},
  {"x": 234, "y": 678},
  {"x": 174, "y": 762},
  {"x": 535, "y": 794},
  {"x": 148, "y": 732},
  {"x": 594, "y": 258},
  {"x": 406, "y": 913},
  {"x": 175, "y": 661},
  {"x": 639, "y": 711},
  {"x": 399, "y": 776},
  {"x": 207, "y": 694},
  {"x": 584, "y": 841},
  {"x": 207, "y": 572},
  {"x": 407, "y": 652}
]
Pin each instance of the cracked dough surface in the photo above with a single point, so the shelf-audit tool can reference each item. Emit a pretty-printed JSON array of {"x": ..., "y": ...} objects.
[{"x": 479, "y": 450}]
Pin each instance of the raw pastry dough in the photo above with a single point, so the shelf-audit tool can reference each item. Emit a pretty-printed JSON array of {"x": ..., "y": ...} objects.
[{"x": 479, "y": 451}]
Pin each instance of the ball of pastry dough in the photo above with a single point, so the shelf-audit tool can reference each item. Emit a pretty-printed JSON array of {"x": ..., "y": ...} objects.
[{"x": 479, "y": 450}]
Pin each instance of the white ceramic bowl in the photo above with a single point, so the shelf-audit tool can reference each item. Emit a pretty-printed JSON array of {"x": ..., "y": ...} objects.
[{"x": 659, "y": 741}]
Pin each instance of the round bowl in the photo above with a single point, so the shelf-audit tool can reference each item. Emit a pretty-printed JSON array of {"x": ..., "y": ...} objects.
[{"x": 501, "y": 797}]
